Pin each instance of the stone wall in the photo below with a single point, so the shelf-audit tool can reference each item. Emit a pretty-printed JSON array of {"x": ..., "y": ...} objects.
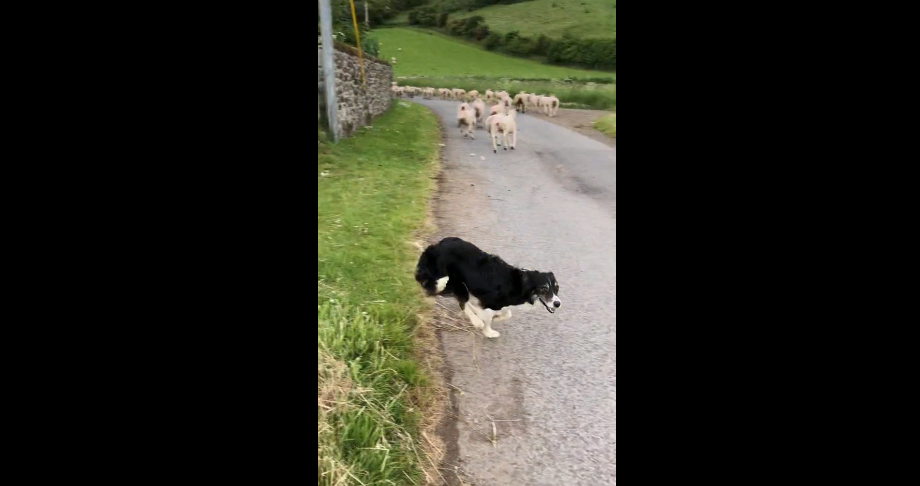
[{"x": 356, "y": 107}]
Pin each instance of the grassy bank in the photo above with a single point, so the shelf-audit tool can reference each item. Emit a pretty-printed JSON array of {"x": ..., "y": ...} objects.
[
  {"x": 607, "y": 125},
  {"x": 373, "y": 190},
  {"x": 430, "y": 59}
]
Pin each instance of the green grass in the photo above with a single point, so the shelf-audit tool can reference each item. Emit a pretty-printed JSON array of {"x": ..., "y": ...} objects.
[
  {"x": 373, "y": 190},
  {"x": 426, "y": 53},
  {"x": 581, "y": 18},
  {"x": 607, "y": 125},
  {"x": 439, "y": 61}
]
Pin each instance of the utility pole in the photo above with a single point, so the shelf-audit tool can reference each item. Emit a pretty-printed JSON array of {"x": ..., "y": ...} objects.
[{"x": 325, "y": 25}]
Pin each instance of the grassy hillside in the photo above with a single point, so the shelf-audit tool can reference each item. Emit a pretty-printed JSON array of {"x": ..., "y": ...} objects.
[
  {"x": 426, "y": 53},
  {"x": 438, "y": 61},
  {"x": 552, "y": 18}
]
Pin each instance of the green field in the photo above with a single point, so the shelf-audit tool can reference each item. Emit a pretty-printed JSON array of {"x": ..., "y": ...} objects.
[
  {"x": 427, "y": 53},
  {"x": 439, "y": 61},
  {"x": 373, "y": 190},
  {"x": 581, "y": 18}
]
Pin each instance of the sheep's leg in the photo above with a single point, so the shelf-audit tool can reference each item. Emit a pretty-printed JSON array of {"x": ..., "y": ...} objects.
[
  {"x": 505, "y": 139},
  {"x": 514, "y": 138},
  {"x": 494, "y": 139}
]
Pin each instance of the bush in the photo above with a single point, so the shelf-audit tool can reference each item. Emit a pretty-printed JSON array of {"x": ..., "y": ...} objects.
[
  {"x": 593, "y": 53},
  {"x": 480, "y": 32},
  {"x": 442, "y": 19},
  {"x": 493, "y": 41}
]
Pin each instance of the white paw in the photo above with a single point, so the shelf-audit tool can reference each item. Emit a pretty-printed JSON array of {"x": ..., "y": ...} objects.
[
  {"x": 490, "y": 333},
  {"x": 441, "y": 283}
]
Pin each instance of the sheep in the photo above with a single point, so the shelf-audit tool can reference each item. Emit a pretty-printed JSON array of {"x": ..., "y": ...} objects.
[
  {"x": 506, "y": 101},
  {"x": 480, "y": 108},
  {"x": 428, "y": 93},
  {"x": 506, "y": 125},
  {"x": 501, "y": 94},
  {"x": 466, "y": 121},
  {"x": 489, "y": 95},
  {"x": 397, "y": 91},
  {"x": 549, "y": 104},
  {"x": 472, "y": 95},
  {"x": 498, "y": 109},
  {"x": 532, "y": 100},
  {"x": 458, "y": 93},
  {"x": 519, "y": 100},
  {"x": 443, "y": 93}
]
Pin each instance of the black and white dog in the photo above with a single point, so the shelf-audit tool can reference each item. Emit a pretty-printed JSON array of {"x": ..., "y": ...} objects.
[{"x": 485, "y": 286}]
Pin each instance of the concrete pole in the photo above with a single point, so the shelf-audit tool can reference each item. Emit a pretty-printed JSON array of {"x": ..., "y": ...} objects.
[{"x": 325, "y": 25}]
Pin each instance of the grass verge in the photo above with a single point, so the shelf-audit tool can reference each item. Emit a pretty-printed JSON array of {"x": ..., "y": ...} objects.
[
  {"x": 607, "y": 125},
  {"x": 373, "y": 190}
]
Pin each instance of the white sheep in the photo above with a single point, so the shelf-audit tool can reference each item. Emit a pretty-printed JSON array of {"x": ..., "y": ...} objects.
[
  {"x": 466, "y": 120},
  {"x": 532, "y": 100},
  {"x": 472, "y": 95},
  {"x": 428, "y": 93},
  {"x": 507, "y": 126},
  {"x": 443, "y": 93},
  {"x": 498, "y": 109},
  {"x": 519, "y": 100},
  {"x": 458, "y": 93},
  {"x": 501, "y": 94},
  {"x": 549, "y": 104},
  {"x": 480, "y": 108},
  {"x": 397, "y": 91},
  {"x": 489, "y": 95}
]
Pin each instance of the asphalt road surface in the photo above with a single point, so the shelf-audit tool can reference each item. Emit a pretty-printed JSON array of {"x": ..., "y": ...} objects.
[{"x": 537, "y": 405}]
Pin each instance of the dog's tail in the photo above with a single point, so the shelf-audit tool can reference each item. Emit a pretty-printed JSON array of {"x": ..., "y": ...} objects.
[{"x": 430, "y": 272}]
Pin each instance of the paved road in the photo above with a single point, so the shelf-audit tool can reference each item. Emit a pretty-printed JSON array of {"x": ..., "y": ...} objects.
[{"x": 549, "y": 381}]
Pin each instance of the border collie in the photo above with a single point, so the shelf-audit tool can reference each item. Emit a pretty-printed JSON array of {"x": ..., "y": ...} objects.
[{"x": 484, "y": 285}]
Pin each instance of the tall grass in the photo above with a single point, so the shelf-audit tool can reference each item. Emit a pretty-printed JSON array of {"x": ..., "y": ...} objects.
[
  {"x": 372, "y": 197},
  {"x": 607, "y": 125}
]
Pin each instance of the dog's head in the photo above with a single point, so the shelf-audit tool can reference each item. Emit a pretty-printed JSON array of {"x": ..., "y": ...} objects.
[{"x": 542, "y": 287}]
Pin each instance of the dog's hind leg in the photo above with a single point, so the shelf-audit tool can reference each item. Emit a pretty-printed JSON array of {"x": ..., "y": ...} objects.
[{"x": 502, "y": 315}]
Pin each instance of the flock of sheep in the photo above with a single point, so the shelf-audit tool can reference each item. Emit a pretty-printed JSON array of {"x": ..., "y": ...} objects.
[{"x": 471, "y": 114}]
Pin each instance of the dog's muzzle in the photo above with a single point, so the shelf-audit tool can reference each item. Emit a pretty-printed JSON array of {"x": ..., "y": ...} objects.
[{"x": 548, "y": 308}]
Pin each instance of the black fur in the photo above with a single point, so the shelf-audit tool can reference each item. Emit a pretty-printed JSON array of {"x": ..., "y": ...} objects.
[{"x": 487, "y": 277}]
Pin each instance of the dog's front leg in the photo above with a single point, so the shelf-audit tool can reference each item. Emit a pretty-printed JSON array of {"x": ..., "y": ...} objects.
[
  {"x": 468, "y": 310},
  {"x": 487, "y": 330}
]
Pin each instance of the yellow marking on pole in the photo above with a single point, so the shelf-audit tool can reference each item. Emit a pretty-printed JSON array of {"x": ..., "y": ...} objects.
[{"x": 354, "y": 20}]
